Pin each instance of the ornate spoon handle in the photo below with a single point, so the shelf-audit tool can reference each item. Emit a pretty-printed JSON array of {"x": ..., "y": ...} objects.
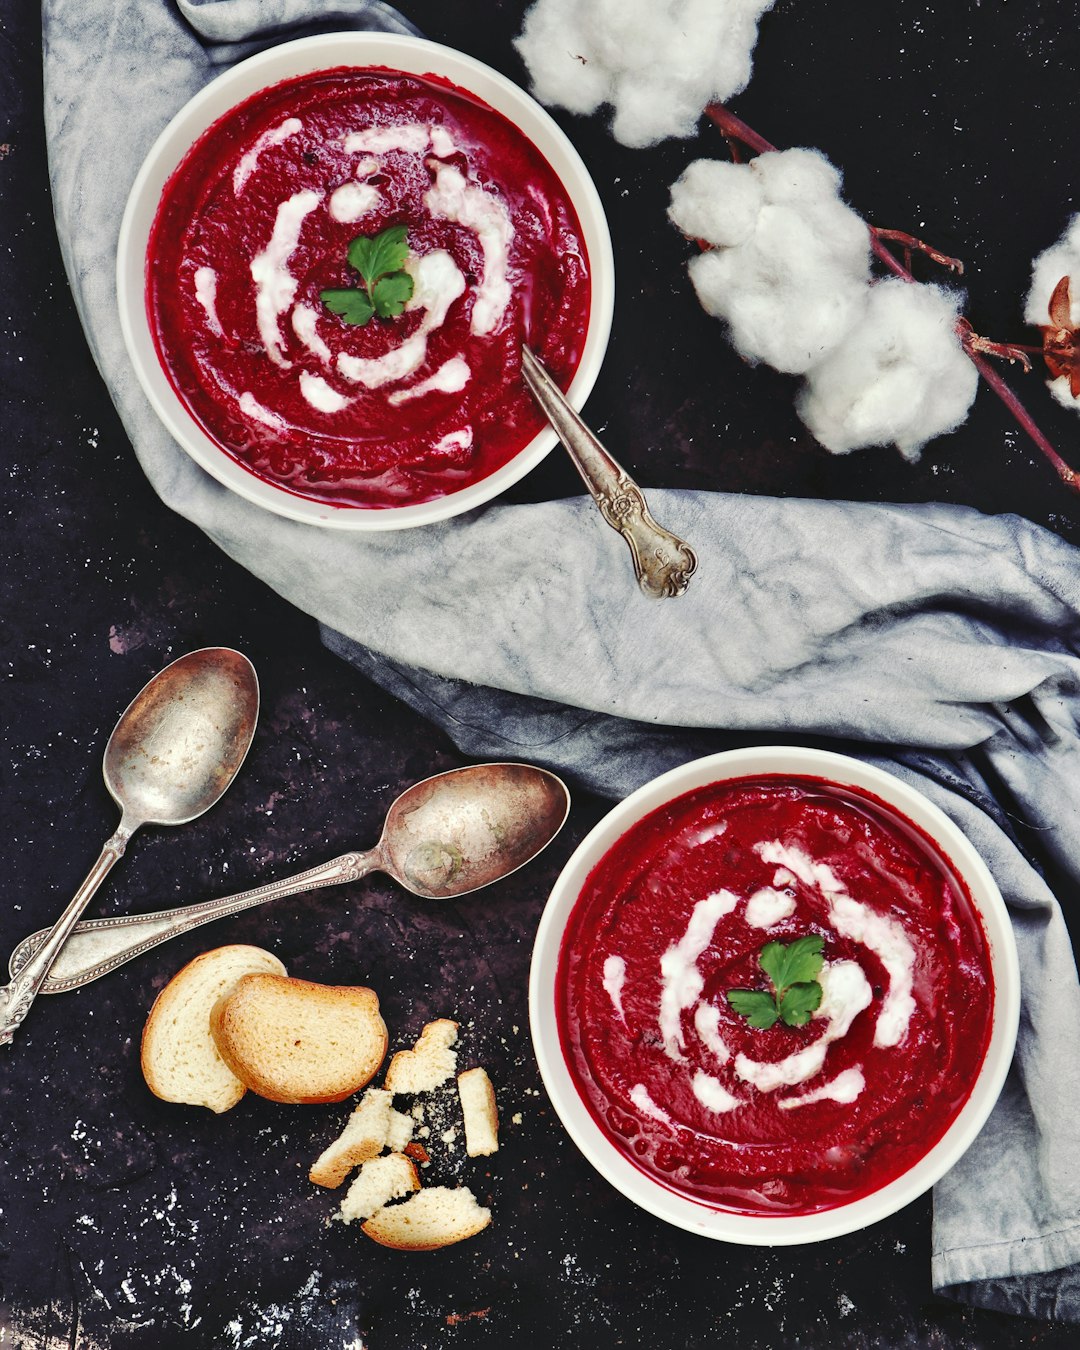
[
  {"x": 663, "y": 563},
  {"x": 33, "y": 973},
  {"x": 97, "y": 946}
]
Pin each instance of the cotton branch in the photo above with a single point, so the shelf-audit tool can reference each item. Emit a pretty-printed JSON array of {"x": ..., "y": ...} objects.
[{"x": 734, "y": 128}]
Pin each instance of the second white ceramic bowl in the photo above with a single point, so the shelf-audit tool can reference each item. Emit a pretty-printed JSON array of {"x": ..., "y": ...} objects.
[{"x": 677, "y": 1209}]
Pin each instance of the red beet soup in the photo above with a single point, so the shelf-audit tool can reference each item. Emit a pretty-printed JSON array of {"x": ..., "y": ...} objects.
[
  {"x": 730, "y": 891},
  {"x": 422, "y": 395}
]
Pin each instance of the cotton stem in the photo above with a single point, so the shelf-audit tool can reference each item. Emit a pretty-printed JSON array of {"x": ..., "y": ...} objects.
[
  {"x": 911, "y": 245},
  {"x": 1004, "y": 351}
]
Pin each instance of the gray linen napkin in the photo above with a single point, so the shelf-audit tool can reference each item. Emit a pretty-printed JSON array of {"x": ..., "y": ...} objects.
[{"x": 945, "y": 644}]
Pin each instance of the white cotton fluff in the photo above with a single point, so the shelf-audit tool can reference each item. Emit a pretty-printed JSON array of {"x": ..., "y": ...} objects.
[
  {"x": 900, "y": 376},
  {"x": 1061, "y": 259},
  {"x": 717, "y": 202},
  {"x": 791, "y": 261},
  {"x": 657, "y": 63},
  {"x": 787, "y": 267},
  {"x": 1062, "y": 391}
]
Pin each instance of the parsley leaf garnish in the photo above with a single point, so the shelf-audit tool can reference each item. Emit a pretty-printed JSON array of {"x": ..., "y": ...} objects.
[
  {"x": 373, "y": 258},
  {"x": 798, "y": 1001},
  {"x": 758, "y": 1007},
  {"x": 353, "y": 305},
  {"x": 796, "y": 963},
  {"x": 379, "y": 260},
  {"x": 390, "y": 294},
  {"x": 793, "y": 969}
]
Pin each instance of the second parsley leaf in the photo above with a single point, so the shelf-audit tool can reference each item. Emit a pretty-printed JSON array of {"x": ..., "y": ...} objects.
[
  {"x": 350, "y": 303},
  {"x": 390, "y": 294}
]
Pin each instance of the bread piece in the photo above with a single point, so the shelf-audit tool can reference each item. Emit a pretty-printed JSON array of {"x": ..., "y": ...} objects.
[
  {"x": 479, "y": 1112},
  {"x": 180, "y": 1061},
  {"x": 294, "y": 1041},
  {"x": 435, "y": 1217},
  {"x": 373, "y": 1126},
  {"x": 399, "y": 1131},
  {"x": 429, "y": 1064},
  {"x": 380, "y": 1181}
]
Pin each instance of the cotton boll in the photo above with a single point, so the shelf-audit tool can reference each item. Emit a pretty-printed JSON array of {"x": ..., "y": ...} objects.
[
  {"x": 900, "y": 376},
  {"x": 1059, "y": 260},
  {"x": 652, "y": 107},
  {"x": 793, "y": 264},
  {"x": 657, "y": 62},
  {"x": 716, "y": 201},
  {"x": 796, "y": 175},
  {"x": 1062, "y": 392},
  {"x": 790, "y": 276},
  {"x": 561, "y": 59}
]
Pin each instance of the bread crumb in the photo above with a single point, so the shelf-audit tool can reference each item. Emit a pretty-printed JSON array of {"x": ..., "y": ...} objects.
[
  {"x": 428, "y": 1064},
  {"x": 480, "y": 1113}
]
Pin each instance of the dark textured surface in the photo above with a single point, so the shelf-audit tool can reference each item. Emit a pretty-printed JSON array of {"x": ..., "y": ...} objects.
[{"x": 126, "y": 1222}]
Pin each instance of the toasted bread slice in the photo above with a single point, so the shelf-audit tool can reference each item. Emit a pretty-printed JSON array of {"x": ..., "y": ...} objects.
[
  {"x": 180, "y": 1061},
  {"x": 373, "y": 1126},
  {"x": 380, "y": 1181},
  {"x": 479, "y": 1112},
  {"x": 434, "y": 1217},
  {"x": 294, "y": 1041},
  {"x": 430, "y": 1063}
]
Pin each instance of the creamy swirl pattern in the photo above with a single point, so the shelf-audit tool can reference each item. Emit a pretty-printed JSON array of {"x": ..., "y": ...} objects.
[
  {"x": 846, "y": 991},
  {"x": 437, "y": 279},
  {"x": 256, "y": 225}
]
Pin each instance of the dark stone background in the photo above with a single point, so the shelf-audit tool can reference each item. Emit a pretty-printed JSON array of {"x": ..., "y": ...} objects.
[{"x": 129, "y": 1223}]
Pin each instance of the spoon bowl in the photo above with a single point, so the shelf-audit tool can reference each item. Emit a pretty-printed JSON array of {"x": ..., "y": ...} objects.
[
  {"x": 465, "y": 829},
  {"x": 179, "y": 743},
  {"x": 443, "y": 837}
]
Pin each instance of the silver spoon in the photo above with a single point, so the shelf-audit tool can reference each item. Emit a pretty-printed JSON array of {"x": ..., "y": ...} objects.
[
  {"x": 663, "y": 563},
  {"x": 174, "y": 751},
  {"x": 443, "y": 837}
]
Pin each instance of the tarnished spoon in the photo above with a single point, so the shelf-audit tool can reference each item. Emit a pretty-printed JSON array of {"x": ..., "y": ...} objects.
[
  {"x": 663, "y": 563},
  {"x": 174, "y": 751},
  {"x": 443, "y": 837}
]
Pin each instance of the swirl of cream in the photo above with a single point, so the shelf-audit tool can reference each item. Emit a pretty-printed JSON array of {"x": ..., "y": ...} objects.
[
  {"x": 877, "y": 932},
  {"x": 845, "y": 992}
]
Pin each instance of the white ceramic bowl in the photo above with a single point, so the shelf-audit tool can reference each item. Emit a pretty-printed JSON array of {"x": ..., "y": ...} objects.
[
  {"x": 769, "y": 1230},
  {"x": 414, "y": 56}
]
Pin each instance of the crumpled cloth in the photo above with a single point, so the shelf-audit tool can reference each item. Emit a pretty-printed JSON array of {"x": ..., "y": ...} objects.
[{"x": 939, "y": 643}]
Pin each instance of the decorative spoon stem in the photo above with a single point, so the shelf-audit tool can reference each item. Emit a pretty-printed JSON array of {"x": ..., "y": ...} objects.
[
  {"x": 100, "y": 945},
  {"x": 663, "y": 563},
  {"x": 16, "y": 997}
]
